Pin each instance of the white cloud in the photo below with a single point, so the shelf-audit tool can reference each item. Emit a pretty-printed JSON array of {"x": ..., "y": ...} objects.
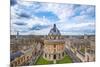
[
  {"x": 36, "y": 20},
  {"x": 64, "y": 27},
  {"x": 61, "y": 10},
  {"x": 68, "y": 18}
]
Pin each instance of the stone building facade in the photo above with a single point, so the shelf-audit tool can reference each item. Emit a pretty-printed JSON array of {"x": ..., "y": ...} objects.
[
  {"x": 26, "y": 53},
  {"x": 83, "y": 48}
]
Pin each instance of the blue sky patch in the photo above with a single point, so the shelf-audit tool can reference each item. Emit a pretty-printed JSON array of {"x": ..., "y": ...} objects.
[
  {"x": 28, "y": 17},
  {"x": 48, "y": 15}
]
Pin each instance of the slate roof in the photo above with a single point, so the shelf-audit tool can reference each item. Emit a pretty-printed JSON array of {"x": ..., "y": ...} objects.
[{"x": 16, "y": 54}]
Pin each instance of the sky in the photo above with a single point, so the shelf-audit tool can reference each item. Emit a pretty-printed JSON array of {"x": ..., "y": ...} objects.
[{"x": 37, "y": 18}]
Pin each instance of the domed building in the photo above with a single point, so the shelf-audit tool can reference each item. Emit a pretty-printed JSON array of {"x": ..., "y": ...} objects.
[{"x": 53, "y": 45}]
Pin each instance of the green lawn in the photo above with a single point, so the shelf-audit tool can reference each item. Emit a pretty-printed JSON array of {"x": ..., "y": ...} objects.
[
  {"x": 42, "y": 61},
  {"x": 66, "y": 59}
]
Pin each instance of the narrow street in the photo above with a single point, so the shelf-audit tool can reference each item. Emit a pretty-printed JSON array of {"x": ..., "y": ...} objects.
[{"x": 72, "y": 55}]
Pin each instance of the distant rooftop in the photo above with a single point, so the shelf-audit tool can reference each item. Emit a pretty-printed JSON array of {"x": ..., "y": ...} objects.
[{"x": 16, "y": 54}]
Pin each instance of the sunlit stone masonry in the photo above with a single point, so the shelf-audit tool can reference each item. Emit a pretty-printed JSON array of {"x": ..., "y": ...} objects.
[{"x": 53, "y": 45}]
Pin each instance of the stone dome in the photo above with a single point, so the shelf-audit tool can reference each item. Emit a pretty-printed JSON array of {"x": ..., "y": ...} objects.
[{"x": 54, "y": 33}]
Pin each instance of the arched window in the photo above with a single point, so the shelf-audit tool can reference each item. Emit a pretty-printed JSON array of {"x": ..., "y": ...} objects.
[
  {"x": 63, "y": 54},
  {"x": 49, "y": 55},
  {"x": 19, "y": 61},
  {"x": 45, "y": 55},
  {"x": 54, "y": 45},
  {"x": 54, "y": 56}
]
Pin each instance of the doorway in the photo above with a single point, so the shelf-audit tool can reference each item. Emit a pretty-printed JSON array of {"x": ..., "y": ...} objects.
[{"x": 54, "y": 57}]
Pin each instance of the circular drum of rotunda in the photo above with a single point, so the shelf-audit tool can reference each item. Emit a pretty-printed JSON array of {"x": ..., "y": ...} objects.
[{"x": 53, "y": 45}]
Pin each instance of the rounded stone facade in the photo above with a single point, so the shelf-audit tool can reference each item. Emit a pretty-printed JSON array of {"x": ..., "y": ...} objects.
[{"x": 53, "y": 45}]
